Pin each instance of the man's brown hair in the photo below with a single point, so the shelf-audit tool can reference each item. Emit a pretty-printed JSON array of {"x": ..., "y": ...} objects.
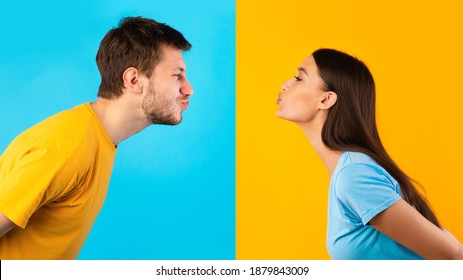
[{"x": 136, "y": 42}]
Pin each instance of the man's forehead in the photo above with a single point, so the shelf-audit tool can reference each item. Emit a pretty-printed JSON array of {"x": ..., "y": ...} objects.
[{"x": 173, "y": 58}]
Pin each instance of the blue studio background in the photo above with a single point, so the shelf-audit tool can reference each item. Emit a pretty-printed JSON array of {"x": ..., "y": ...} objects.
[{"x": 172, "y": 193}]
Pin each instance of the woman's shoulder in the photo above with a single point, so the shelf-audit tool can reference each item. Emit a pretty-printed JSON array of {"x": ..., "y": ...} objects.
[
  {"x": 357, "y": 161},
  {"x": 357, "y": 167},
  {"x": 359, "y": 158}
]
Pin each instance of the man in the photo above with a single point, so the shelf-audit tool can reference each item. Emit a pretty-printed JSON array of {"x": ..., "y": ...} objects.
[{"x": 54, "y": 176}]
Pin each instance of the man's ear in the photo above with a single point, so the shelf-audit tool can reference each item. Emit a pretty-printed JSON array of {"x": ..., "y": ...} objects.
[
  {"x": 132, "y": 80},
  {"x": 329, "y": 99}
]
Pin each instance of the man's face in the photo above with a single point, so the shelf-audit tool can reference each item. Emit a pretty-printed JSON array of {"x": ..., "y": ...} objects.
[{"x": 169, "y": 90}]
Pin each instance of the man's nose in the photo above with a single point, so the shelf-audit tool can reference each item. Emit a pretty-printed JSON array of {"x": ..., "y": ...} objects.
[{"x": 186, "y": 88}]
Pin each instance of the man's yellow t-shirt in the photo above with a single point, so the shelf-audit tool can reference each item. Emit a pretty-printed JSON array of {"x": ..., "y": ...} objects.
[{"x": 53, "y": 182}]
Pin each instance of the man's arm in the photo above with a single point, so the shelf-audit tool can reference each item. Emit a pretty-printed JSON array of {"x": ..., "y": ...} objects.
[{"x": 5, "y": 224}]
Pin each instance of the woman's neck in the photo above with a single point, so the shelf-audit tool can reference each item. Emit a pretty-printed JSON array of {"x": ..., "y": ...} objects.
[{"x": 329, "y": 157}]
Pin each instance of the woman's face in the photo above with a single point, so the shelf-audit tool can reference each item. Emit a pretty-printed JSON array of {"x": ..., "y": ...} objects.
[{"x": 301, "y": 96}]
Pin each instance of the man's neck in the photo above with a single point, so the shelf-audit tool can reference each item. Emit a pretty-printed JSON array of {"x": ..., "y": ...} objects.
[{"x": 119, "y": 118}]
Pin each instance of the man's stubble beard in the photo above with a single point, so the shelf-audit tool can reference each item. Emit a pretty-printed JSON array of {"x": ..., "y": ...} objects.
[{"x": 160, "y": 110}]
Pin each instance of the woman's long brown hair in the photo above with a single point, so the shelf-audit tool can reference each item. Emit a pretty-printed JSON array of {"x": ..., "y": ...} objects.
[{"x": 351, "y": 122}]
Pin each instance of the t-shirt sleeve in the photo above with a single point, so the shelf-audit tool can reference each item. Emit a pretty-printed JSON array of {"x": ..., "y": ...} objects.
[
  {"x": 364, "y": 191},
  {"x": 38, "y": 177}
]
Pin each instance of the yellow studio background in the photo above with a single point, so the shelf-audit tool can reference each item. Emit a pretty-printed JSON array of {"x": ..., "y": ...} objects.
[{"x": 414, "y": 50}]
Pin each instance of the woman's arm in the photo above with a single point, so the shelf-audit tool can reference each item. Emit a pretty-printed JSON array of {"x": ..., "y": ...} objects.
[{"x": 408, "y": 227}]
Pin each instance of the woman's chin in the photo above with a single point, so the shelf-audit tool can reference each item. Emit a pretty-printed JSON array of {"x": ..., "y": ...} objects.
[{"x": 281, "y": 115}]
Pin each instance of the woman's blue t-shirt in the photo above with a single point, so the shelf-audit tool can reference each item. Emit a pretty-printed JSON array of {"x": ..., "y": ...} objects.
[{"x": 359, "y": 190}]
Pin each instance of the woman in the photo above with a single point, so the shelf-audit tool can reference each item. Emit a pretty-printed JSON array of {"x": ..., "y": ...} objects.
[{"x": 374, "y": 211}]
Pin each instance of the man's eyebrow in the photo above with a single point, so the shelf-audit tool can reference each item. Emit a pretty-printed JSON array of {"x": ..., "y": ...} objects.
[
  {"x": 179, "y": 68},
  {"x": 302, "y": 69}
]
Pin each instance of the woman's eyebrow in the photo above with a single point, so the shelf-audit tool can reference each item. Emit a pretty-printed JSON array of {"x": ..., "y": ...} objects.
[{"x": 302, "y": 69}]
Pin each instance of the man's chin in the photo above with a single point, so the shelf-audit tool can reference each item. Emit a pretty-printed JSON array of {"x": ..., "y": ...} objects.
[
  {"x": 178, "y": 120},
  {"x": 169, "y": 121},
  {"x": 176, "y": 123}
]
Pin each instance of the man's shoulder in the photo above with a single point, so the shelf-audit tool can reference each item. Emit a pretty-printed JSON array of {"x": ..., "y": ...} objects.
[
  {"x": 68, "y": 124},
  {"x": 68, "y": 119},
  {"x": 79, "y": 112}
]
